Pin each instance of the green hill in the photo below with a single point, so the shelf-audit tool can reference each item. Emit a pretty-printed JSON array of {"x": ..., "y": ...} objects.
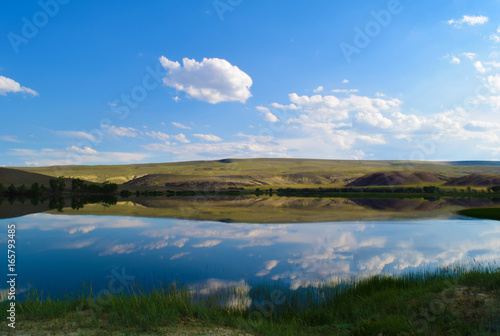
[{"x": 258, "y": 172}]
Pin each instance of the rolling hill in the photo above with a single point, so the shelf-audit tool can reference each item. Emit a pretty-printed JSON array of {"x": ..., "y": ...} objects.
[{"x": 254, "y": 173}]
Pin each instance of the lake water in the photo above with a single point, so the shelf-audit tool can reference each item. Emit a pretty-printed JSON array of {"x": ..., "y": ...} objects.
[{"x": 57, "y": 252}]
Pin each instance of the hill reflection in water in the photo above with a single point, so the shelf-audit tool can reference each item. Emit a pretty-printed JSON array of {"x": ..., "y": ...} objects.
[{"x": 253, "y": 209}]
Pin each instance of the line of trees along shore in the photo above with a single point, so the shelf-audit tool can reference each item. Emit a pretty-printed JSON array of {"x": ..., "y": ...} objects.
[{"x": 57, "y": 186}]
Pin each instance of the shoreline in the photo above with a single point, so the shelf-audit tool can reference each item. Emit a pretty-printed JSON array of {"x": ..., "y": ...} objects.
[{"x": 438, "y": 302}]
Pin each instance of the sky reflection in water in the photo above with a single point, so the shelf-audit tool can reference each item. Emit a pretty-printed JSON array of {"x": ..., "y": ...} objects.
[{"x": 57, "y": 252}]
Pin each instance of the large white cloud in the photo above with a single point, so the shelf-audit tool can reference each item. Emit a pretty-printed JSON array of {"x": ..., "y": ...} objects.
[
  {"x": 213, "y": 80},
  {"x": 8, "y": 85}
]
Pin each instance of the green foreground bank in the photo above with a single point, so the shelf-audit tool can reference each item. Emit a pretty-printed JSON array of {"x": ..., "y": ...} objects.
[
  {"x": 483, "y": 213},
  {"x": 451, "y": 301}
]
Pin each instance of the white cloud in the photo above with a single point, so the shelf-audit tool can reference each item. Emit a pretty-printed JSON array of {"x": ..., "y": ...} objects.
[
  {"x": 179, "y": 125},
  {"x": 127, "y": 132},
  {"x": 158, "y": 135},
  {"x": 9, "y": 138},
  {"x": 262, "y": 109},
  {"x": 8, "y": 85},
  {"x": 179, "y": 255},
  {"x": 470, "y": 55},
  {"x": 78, "y": 135},
  {"x": 180, "y": 243},
  {"x": 268, "y": 266},
  {"x": 119, "y": 249},
  {"x": 270, "y": 117},
  {"x": 243, "y": 149},
  {"x": 495, "y": 38},
  {"x": 181, "y": 137},
  {"x": 213, "y": 80},
  {"x": 479, "y": 67},
  {"x": 455, "y": 60},
  {"x": 285, "y": 107},
  {"x": 319, "y": 89},
  {"x": 345, "y": 90},
  {"x": 72, "y": 156},
  {"x": 84, "y": 150},
  {"x": 494, "y": 64},
  {"x": 376, "y": 139},
  {"x": 208, "y": 137},
  {"x": 373, "y": 118},
  {"x": 494, "y": 83},
  {"x": 329, "y": 108},
  {"x": 471, "y": 20},
  {"x": 208, "y": 243},
  {"x": 345, "y": 81}
]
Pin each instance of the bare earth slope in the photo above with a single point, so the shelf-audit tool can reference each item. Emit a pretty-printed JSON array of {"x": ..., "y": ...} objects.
[
  {"x": 475, "y": 180},
  {"x": 396, "y": 178}
]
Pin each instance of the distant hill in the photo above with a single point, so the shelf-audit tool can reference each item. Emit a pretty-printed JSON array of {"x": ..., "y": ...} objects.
[
  {"x": 17, "y": 177},
  {"x": 396, "y": 178},
  {"x": 269, "y": 172},
  {"x": 479, "y": 180}
]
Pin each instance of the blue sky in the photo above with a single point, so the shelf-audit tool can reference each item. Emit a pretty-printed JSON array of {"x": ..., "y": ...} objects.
[{"x": 97, "y": 82}]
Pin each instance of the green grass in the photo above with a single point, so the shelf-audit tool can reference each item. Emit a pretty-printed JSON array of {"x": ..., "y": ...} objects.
[
  {"x": 302, "y": 171},
  {"x": 484, "y": 213},
  {"x": 446, "y": 302}
]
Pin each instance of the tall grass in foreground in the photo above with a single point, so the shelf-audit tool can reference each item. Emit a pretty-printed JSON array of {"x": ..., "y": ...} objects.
[{"x": 459, "y": 300}]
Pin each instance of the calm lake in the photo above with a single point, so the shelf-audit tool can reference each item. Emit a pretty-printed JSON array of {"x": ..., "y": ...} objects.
[{"x": 56, "y": 252}]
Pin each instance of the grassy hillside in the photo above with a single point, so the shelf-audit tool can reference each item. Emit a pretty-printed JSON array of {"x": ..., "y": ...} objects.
[
  {"x": 18, "y": 177},
  {"x": 258, "y": 172}
]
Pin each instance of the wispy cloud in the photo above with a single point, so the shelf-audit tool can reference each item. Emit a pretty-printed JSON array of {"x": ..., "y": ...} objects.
[
  {"x": 470, "y": 20},
  {"x": 318, "y": 89},
  {"x": 181, "y": 137},
  {"x": 115, "y": 131},
  {"x": 208, "y": 137},
  {"x": 179, "y": 125},
  {"x": 179, "y": 255},
  {"x": 9, "y": 138},
  {"x": 8, "y": 85},
  {"x": 74, "y": 155},
  {"x": 84, "y": 150},
  {"x": 158, "y": 135},
  {"x": 455, "y": 60},
  {"x": 208, "y": 243},
  {"x": 78, "y": 135}
]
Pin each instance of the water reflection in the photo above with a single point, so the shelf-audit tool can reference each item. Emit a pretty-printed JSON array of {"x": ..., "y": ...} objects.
[
  {"x": 254, "y": 209},
  {"x": 60, "y": 251}
]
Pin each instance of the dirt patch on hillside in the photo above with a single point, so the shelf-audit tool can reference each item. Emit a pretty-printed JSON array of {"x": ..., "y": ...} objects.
[
  {"x": 477, "y": 180},
  {"x": 396, "y": 178}
]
